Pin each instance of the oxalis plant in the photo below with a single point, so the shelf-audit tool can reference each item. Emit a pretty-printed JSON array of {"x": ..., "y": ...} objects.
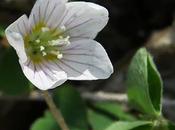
[
  {"x": 55, "y": 44},
  {"x": 144, "y": 90}
]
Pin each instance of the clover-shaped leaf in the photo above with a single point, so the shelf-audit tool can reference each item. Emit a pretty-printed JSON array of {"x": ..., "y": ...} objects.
[{"x": 145, "y": 84}]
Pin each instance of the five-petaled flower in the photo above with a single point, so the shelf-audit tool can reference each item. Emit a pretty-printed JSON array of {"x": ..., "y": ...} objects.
[{"x": 56, "y": 43}]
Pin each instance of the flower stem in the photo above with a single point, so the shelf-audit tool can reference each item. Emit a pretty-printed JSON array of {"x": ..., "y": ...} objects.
[{"x": 55, "y": 111}]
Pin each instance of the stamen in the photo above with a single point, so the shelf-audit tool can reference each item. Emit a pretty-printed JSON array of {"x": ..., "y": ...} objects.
[
  {"x": 60, "y": 56},
  {"x": 38, "y": 41},
  {"x": 67, "y": 38},
  {"x": 57, "y": 53},
  {"x": 60, "y": 42},
  {"x": 44, "y": 53},
  {"x": 61, "y": 37},
  {"x": 42, "y": 48},
  {"x": 54, "y": 52},
  {"x": 45, "y": 29},
  {"x": 63, "y": 28}
]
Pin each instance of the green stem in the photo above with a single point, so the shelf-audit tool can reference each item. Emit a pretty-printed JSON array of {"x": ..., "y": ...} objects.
[{"x": 55, "y": 111}]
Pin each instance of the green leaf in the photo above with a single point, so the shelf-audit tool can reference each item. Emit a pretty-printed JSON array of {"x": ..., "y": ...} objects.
[
  {"x": 145, "y": 84},
  {"x": 72, "y": 107},
  {"x": 98, "y": 121},
  {"x": 45, "y": 123},
  {"x": 144, "y": 127},
  {"x": 130, "y": 125},
  {"x": 115, "y": 110},
  {"x": 13, "y": 81},
  {"x": 155, "y": 85},
  {"x": 171, "y": 126},
  {"x": 2, "y": 30},
  {"x": 162, "y": 124}
]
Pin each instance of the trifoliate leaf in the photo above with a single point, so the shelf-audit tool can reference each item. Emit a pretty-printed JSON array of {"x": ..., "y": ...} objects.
[{"x": 145, "y": 84}]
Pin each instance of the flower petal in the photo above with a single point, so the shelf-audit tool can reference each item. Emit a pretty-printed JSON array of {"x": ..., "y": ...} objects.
[
  {"x": 84, "y": 19},
  {"x": 44, "y": 76},
  {"x": 15, "y": 33},
  {"x": 85, "y": 60},
  {"x": 47, "y": 11}
]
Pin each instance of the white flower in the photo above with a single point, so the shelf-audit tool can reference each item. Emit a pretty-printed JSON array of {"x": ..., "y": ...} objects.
[{"x": 56, "y": 43}]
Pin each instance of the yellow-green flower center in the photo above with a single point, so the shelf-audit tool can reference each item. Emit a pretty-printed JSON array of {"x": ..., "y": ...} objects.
[{"x": 43, "y": 43}]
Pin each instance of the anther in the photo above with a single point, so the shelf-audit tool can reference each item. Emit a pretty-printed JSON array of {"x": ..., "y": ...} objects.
[
  {"x": 60, "y": 56},
  {"x": 63, "y": 28},
  {"x": 44, "y": 53},
  {"x": 38, "y": 41},
  {"x": 57, "y": 53},
  {"x": 61, "y": 37},
  {"x": 45, "y": 29},
  {"x": 42, "y": 48},
  {"x": 67, "y": 38},
  {"x": 60, "y": 42}
]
